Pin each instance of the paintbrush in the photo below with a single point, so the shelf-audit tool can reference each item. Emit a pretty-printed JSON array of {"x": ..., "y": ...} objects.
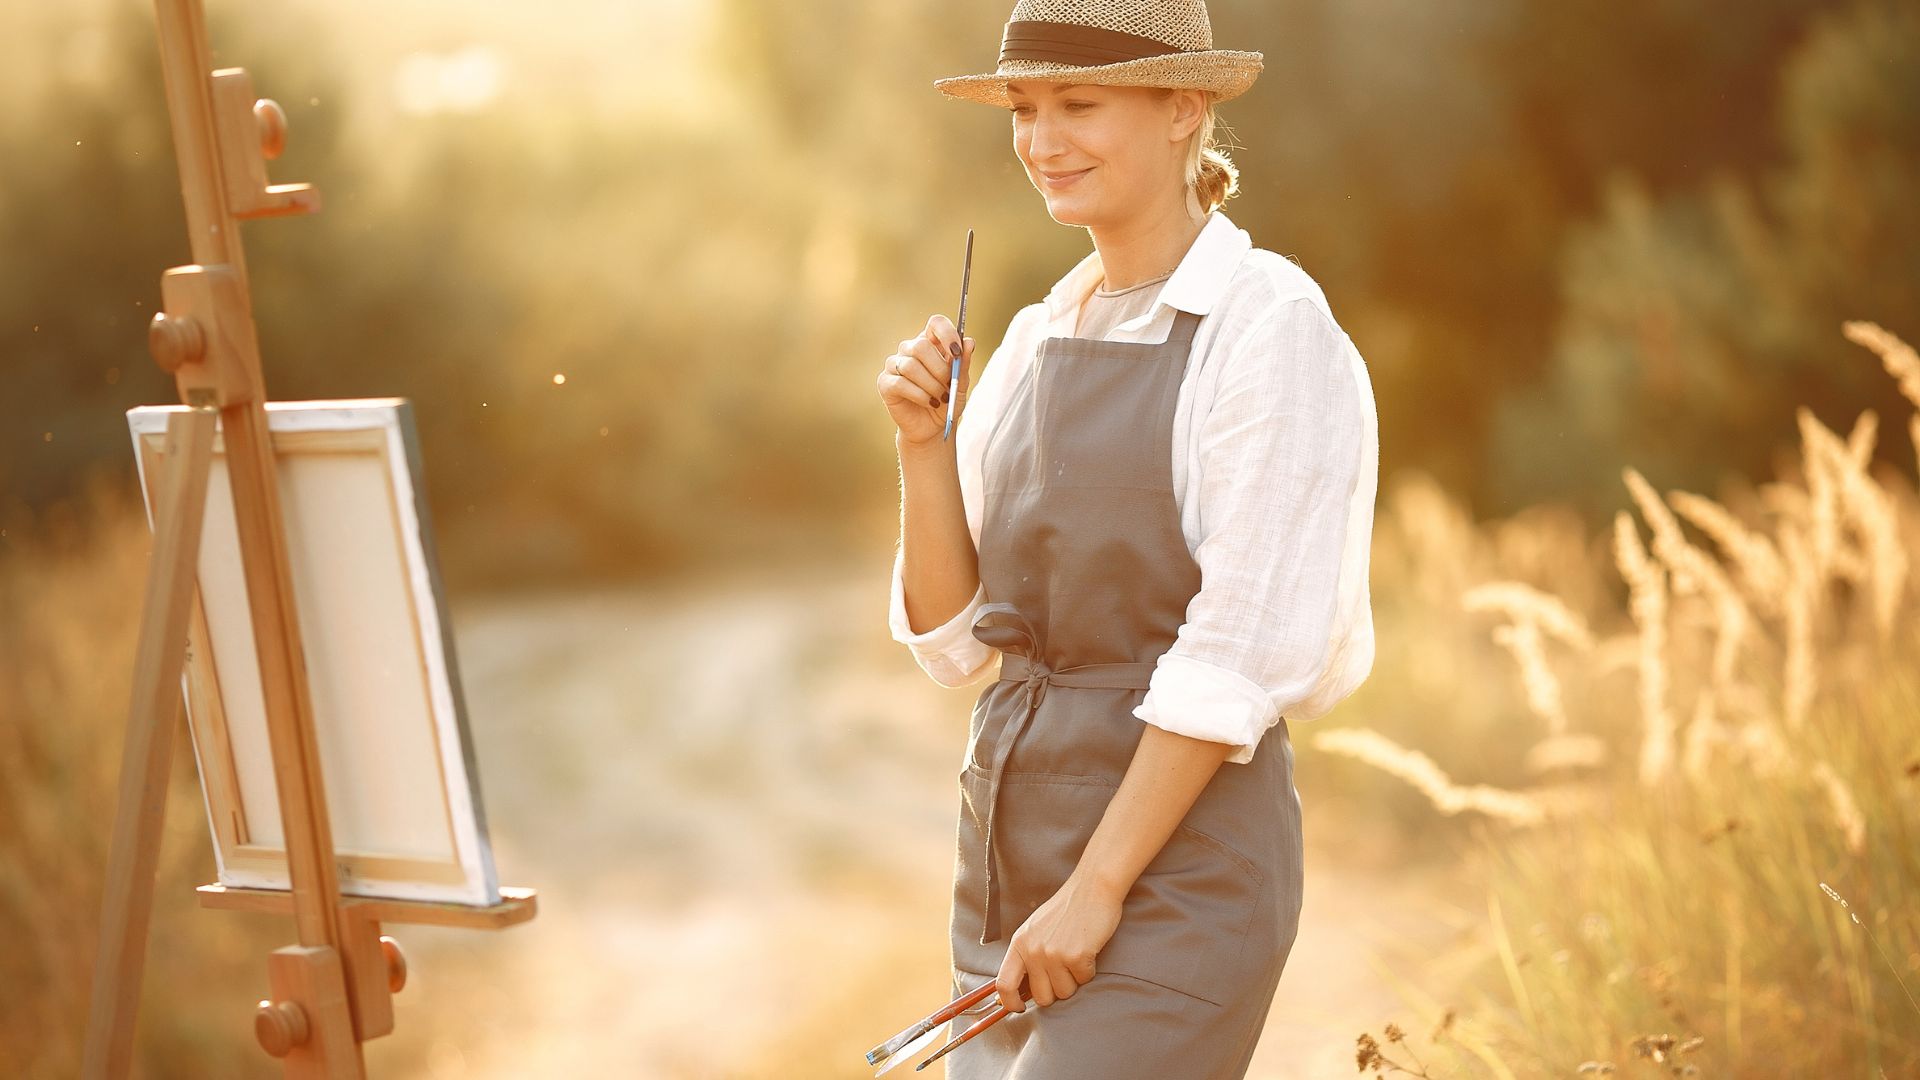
[
  {"x": 919, "y": 1036},
  {"x": 959, "y": 350},
  {"x": 998, "y": 1013}
]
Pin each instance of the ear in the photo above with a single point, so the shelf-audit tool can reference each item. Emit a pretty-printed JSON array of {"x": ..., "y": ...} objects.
[{"x": 1189, "y": 105}]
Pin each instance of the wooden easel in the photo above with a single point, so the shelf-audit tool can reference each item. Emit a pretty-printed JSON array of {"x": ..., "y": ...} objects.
[{"x": 334, "y": 990}]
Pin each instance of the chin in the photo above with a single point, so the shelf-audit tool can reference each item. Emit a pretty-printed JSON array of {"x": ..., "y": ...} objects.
[
  {"x": 1070, "y": 211},
  {"x": 1069, "y": 215}
]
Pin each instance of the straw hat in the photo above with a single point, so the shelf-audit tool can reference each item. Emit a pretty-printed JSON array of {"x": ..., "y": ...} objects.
[{"x": 1112, "y": 43}]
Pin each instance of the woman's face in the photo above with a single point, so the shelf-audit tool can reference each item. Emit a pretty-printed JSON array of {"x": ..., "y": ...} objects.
[{"x": 1101, "y": 154}]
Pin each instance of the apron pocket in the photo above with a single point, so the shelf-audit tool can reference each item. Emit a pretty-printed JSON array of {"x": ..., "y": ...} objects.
[
  {"x": 1040, "y": 828},
  {"x": 1184, "y": 923}
]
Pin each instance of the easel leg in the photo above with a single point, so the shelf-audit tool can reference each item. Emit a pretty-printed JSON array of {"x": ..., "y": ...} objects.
[{"x": 127, "y": 902}]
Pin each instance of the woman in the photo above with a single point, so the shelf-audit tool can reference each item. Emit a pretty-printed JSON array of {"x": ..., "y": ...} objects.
[{"x": 1156, "y": 508}]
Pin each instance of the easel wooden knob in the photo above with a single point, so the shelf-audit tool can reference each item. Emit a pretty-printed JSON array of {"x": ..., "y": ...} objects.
[
  {"x": 175, "y": 341},
  {"x": 396, "y": 964},
  {"x": 272, "y": 121},
  {"x": 280, "y": 1026}
]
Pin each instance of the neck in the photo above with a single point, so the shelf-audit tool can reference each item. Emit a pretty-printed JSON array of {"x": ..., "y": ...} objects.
[{"x": 1147, "y": 245}]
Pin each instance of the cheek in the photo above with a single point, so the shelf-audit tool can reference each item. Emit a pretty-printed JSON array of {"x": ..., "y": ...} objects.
[
  {"x": 1115, "y": 161},
  {"x": 1113, "y": 144}
]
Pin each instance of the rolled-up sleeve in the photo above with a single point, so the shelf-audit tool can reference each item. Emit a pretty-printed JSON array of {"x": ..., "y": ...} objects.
[
  {"x": 948, "y": 653},
  {"x": 1282, "y": 458}
]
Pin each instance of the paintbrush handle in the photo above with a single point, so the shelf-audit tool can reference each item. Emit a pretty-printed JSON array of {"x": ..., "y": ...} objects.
[
  {"x": 994, "y": 1016},
  {"x": 962, "y": 1003},
  {"x": 939, "y": 1016},
  {"x": 960, "y": 330}
]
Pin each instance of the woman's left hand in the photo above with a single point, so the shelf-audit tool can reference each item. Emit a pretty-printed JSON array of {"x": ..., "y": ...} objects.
[{"x": 1055, "y": 948}]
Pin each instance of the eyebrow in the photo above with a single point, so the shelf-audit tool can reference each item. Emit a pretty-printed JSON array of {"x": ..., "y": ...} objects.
[{"x": 1063, "y": 87}]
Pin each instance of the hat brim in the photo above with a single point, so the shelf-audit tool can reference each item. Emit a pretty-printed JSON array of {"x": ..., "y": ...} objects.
[{"x": 1225, "y": 72}]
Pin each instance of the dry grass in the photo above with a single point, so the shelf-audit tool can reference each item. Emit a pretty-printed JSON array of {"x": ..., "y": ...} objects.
[
  {"x": 1669, "y": 917},
  {"x": 1419, "y": 770}
]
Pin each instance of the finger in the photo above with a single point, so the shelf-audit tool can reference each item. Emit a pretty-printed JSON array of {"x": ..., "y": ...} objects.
[
  {"x": 1046, "y": 976},
  {"x": 1012, "y": 970},
  {"x": 900, "y": 388},
  {"x": 938, "y": 359},
  {"x": 1082, "y": 970},
  {"x": 941, "y": 331},
  {"x": 1061, "y": 979},
  {"x": 1039, "y": 983},
  {"x": 909, "y": 364},
  {"x": 938, "y": 368},
  {"x": 913, "y": 355}
]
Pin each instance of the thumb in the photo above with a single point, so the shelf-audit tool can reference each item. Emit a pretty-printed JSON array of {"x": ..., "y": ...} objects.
[{"x": 1012, "y": 970}]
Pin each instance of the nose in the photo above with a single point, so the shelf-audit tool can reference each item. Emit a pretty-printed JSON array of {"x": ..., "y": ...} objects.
[{"x": 1044, "y": 142}]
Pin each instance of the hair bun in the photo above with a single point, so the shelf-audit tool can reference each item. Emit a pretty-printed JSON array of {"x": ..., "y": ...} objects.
[{"x": 1219, "y": 178}]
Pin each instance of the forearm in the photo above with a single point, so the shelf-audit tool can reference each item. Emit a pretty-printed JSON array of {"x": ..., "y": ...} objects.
[
  {"x": 1166, "y": 776},
  {"x": 940, "y": 569}
]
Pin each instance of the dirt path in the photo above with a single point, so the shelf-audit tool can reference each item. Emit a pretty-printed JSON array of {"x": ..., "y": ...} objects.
[{"x": 737, "y": 800}]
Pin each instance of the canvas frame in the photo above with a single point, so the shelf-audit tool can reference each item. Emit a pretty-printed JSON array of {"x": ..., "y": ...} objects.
[{"x": 397, "y": 755}]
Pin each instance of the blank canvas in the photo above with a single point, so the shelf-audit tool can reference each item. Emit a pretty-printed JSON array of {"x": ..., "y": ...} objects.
[{"x": 402, "y": 791}]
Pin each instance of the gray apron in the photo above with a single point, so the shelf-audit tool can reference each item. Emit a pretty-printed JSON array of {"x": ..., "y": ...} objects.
[{"x": 1088, "y": 578}]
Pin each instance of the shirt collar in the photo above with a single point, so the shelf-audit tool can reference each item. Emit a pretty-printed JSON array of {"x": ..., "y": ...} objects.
[{"x": 1197, "y": 282}]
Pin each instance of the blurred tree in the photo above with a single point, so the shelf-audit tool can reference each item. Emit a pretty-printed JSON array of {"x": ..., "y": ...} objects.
[
  {"x": 1696, "y": 323},
  {"x": 717, "y": 278},
  {"x": 85, "y": 228},
  {"x": 1426, "y": 163}
]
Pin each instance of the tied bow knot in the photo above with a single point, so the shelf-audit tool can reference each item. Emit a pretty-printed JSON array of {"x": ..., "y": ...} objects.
[
  {"x": 1004, "y": 627},
  {"x": 1036, "y": 682}
]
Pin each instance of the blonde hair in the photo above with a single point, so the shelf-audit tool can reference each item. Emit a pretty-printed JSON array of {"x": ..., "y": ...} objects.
[{"x": 1211, "y": 175}]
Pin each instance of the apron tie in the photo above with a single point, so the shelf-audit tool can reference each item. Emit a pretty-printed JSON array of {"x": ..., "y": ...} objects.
[{"x": 1002, "y": 626}]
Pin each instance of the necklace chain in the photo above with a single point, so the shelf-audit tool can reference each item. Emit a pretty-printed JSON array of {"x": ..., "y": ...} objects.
[
  {"x": 1176, "y": 265},
  {"x": 1106, "y": 287}
]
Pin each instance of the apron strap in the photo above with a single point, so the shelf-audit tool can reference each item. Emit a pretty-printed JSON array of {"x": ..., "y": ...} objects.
[
  {"x": 1019, "y": 664},
  {"x": 1185, "y": 324}
]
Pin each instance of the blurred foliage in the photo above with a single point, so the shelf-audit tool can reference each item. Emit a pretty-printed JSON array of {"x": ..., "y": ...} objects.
[
  {"x": 1510, "y": 207},
  {"x": 1691, "y": 320}
]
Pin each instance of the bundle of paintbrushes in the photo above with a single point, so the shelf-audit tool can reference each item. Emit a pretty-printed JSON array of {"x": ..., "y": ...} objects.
[{"x": 921, "y": 1035}]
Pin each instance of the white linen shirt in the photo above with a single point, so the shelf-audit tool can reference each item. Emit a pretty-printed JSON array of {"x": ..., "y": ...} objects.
[{"x": 1275, "y": 463}]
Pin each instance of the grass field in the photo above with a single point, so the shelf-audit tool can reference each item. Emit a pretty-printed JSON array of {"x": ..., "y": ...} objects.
[{"x": 1634, "y": 802}]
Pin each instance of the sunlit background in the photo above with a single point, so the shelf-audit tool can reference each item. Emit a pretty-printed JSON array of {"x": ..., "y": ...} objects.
[{"x": 637, "y": 262}]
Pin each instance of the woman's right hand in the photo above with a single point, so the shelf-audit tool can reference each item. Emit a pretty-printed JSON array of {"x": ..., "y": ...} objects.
[{"x": 914, "y": 383}]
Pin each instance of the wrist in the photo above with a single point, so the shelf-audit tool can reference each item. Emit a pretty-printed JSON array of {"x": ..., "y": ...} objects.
[
  {"x": 1102, "y": 882},
  {"x": 929, "y": 450}
]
